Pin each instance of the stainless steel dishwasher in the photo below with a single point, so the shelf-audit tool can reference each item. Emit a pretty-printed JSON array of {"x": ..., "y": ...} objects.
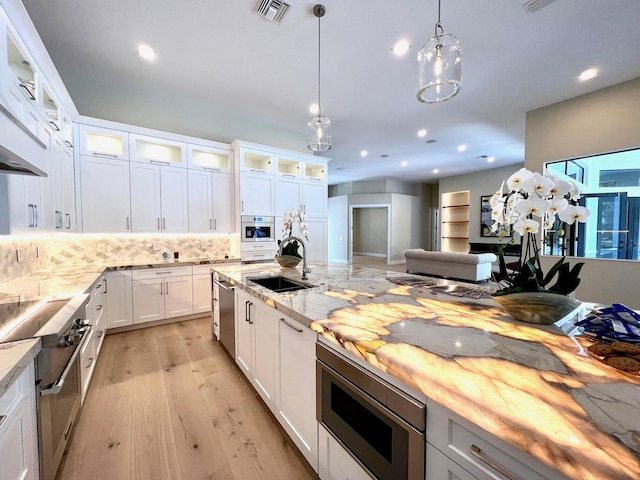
[{"x": 224, "y": 314}]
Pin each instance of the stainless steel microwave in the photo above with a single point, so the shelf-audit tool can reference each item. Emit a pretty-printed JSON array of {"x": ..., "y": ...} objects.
[{"x": 257, "y": 229}]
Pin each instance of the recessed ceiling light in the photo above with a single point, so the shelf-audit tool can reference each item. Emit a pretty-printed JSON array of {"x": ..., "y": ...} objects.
[
  {"x": 401, "y": 47},
  {"x": 146, "y": 52},
  {"x": 422, "y": 133},
  {"x": 364, "y": 153},
  {"x": 588, "y": 74},
  {"x": 404, "y": 163},
  {"x": 491, "y": 159},
  {"x": 435, "y": 170},
  {"x": 313, "y": 109},
  {"x": 462, "y": 148}
]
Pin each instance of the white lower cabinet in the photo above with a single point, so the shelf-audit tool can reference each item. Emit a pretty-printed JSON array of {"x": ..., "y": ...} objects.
[
  {"x": 18, "y": 434},
  {"x": 88, "y": 359},
  {"x": 255, "y": 343},
  {"x": 160, "y": 293},
  {"x": 440, "y": 466},
  {"x": 296, "y": 385},
  {"x": 118, "y": 299},
  {"x": 201, "y": 293},
  {"x": 335, "y": 463}
]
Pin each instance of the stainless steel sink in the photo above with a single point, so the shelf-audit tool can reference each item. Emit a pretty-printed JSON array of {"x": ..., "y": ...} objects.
[{"x": 280, "y": 284}]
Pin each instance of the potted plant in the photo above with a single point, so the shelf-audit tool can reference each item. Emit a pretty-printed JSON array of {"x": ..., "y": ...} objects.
[
  {"x": 525, "y": 290},
  {"x": 289, "y": 256}
]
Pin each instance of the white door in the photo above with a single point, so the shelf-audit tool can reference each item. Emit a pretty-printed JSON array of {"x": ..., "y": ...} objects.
[
  {"x": 202, "y": 293},
  {"x": 288, "y": 194},
  {"x": 178, "y": 296},
  {"x": 263, "y": 369},
  {"x": 105, "y": 195},
  {"x": 145, "y": 198},
  {"x": 314, "y": 198},
  {"x": 175, "y": 203},
  {"x": 200, "y": 201},
  {"x": 256, "y": 194},
  {"x": 25, "y": 202},
  {"x": 244, "y": 348},
  {"x": 317, "y": 243},
  {"x": 119, "y": 299},
  {"x": 223, "y": 203},
  {"x": 148, "y": 300}
]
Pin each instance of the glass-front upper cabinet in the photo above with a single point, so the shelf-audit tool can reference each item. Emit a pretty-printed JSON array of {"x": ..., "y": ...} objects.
[
  {"x": 217, "y": 159},
  {"x": 315, "y": 171},
  {"x": 103, "y": 142},
  {"x": 157, "y": 150},
  {"x": 51, "y": 109},
  {"x": 288, "y": 167},
  {"x": 256, "y": 161}
]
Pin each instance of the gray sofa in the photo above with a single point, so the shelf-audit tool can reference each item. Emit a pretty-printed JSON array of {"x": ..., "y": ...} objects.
[{"x": 463, "y": 266}]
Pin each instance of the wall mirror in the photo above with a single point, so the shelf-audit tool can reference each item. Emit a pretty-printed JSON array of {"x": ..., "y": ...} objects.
[{"x": 611, "y": 190}]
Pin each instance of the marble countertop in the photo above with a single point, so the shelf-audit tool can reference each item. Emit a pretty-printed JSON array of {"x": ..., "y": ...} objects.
[
  {"x": 14, "y": 357},
  {"x": 533, "y": 386}
]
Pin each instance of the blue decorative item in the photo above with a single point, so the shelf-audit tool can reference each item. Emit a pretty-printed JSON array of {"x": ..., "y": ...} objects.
[{"x": 613, "y": 324}]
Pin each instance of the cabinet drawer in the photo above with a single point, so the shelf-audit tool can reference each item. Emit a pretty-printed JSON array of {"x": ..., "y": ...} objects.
[
  {"x": 440, "y": 466},
  {"x": 479, "y": 452},
  {"x": 202, "y": 269},
  {"x": 258, "y": 246},
  {"x": 11, "y": 398},
  {"x": 164, "y": 272},
  {"x": 255, "y": 256}
]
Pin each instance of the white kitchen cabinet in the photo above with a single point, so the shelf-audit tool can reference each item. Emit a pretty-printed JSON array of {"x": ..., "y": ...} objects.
[
  {"x": 118, "y": 299},
  {"x": 23, "y": 196},
  {"x": 295, "y": 391},
  {"x": 335, "y": 463},
  {"x": 88, "y": 360},
  {"x": 18, "y": 434},
  {"x": 105, "y": 195},
  {"x": 288, "y": 193},
  {"x": 160, "y": 293},
  {"x": 103, "y": 142},
  {"x": 302, "y": 185},
  {"x": 256, "y": 161},
  {"x": 91, "y": 349},
  {"x": 64, "y": 202},
  {"x": 157, "y": 150},
  {"x": 317, "y": 244},
  {"x": 159, "y": 199},
  {"x": 315, "y": 194},
  {"x": 211, "y": 202},
  {"x": 202, "y": 293},
  {"x": 214, "y": 159},
  {"x": 257, "y": 194},
  {"x": 440, "y": 466},
  {"x": 255, "y": 344}
]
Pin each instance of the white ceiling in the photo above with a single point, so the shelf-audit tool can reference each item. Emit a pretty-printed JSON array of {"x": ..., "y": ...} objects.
[{"x": 223, "y": 72}]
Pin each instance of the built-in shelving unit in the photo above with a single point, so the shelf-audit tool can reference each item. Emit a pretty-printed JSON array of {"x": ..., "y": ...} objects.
[{"x": 455, "y": 221}]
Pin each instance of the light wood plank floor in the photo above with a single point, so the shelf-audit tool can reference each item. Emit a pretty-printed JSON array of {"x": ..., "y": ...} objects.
[{"x": 167, "y": 403}]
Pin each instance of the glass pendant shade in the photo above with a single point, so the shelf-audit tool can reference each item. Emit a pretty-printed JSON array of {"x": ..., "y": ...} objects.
[
  {"x": 439, "y": 69},
  {"x": 319, "y": 133}
]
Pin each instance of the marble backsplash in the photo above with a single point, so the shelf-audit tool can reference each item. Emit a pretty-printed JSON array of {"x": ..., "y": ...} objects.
[{"x": 21, "y": 255}]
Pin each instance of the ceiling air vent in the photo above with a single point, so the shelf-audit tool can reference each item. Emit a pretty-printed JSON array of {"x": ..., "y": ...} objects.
[
  {"x": 532, "y": 6},
  {"x": 272, "y": 10}
]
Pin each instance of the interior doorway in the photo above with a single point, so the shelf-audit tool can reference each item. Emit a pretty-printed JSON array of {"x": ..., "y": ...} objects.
[{"x": 370, "y": 233}]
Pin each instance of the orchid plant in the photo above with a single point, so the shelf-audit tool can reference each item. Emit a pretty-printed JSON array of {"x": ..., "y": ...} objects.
[
  {"x": 291, "y": 216},
  {"x": 529, "y": 198}
]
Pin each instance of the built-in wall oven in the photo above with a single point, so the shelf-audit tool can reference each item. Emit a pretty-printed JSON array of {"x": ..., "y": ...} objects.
[
  {"x": 382, "y": 427},
  {"x": 257, "y": 229},
  {"x": 63, "y": 329}
]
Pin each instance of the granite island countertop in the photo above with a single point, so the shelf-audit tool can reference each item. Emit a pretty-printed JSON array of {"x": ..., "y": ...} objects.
[{"x": 535, "y": 387}]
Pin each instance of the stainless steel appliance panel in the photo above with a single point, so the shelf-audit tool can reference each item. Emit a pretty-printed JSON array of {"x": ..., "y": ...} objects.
[
  {"x": 226, "y": 306},
  {"x": 257, "y": 229}
]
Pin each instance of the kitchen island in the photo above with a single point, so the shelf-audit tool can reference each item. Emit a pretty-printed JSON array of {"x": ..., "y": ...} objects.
[{"x": 533, "y": 387}]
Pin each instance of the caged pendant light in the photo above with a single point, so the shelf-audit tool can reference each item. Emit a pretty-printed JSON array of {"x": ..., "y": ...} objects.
[
  {"x": 319, "y": 127},
  {"x": 439, "y": 66}
]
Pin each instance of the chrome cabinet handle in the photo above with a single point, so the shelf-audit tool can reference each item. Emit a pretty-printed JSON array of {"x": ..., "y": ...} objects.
[
  {"x": 158, "y": 223},
  {"x": 58, "y": 219},
  {"x": 90, "y": 363},
  {"x": 36, "y": 210},
  {"x": 283, "y": 320},
  {"x": 99, "y": 307},
  {"x": 26, "y": 89},
  {"x": 210, "y": 225},
  {"x": 68, "y": 227},
  {"x": 108, "y": 155},
  {"x": 246, "y": 310},
  {"x": 158, "y": 162},
  {"x": 54, "y": 126},
  {"x": 212, "y": 169},
  {"x": 69, "y": 144},
  {"x": 2, "y": 419},
  {"x": 166, "y": 290},
  {"x": 242, "y": 206},
  {"x": 128, "y": 223},
  {"x": 476, "y": 452},
  {"x": 105, "y": 286},
  {"x": 164, "y": 223},
  {"x": 215, "y": 224},
  {"x": 32, "y": 220}
]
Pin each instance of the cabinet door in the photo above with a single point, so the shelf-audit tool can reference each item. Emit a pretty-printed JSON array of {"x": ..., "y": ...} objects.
[
  {"x": 223, "y": 203},
  {"x": 314, "y": 198},
  {"x": 105, "y": 195},
  {"x": 317, "y": 243},
  {"x": 119, "y": 299},
  {"x": 296, "y": 385},
  {"x": 103, "y": 142},
  {"x": 263, "y": 368},
  {"x": 145, "y": 198},
  {"x": 68, "y": 190},
  {"x": 87, "y": 363},
  {"x": 335, "y": 463},
  {"x": 216, "y": 311},
  {"x": 202, "y": 293},
  {"x": 178, "y": 296},
  {"x": 288, "y": 193},
  {"x": 245, "y": 313},
  {"x": 25, "y": 199},
  {"x": 18, "y": 440},
  {"x": 148, "y": 300},
  {"x": 440, "y": 466},
  {"x": 174, "y": 199},
  {"x": 201, "y": 201},
  {"x": 256, "y": 194}
]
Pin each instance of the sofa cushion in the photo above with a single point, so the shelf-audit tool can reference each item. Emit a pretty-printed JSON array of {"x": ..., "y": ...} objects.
[{"x": 450, "y": 257}]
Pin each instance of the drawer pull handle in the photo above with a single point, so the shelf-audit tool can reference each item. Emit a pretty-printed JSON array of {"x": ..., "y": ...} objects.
[
  {"x": 476, "y": 452},
  {"x": 2, "y": 419},
  {"x": 299, "y": 330}
]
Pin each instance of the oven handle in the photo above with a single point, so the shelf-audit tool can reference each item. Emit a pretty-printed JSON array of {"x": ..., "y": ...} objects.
[{"x": 58, "y": 385}]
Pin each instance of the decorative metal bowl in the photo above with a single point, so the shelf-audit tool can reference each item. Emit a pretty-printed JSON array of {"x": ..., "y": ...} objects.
[
  {"x": 543, "y": 308},
  {"x": 288, "y": 261}
]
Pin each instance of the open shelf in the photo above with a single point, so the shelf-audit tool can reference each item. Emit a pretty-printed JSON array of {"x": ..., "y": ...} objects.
[{"x": 455, "y": 221}]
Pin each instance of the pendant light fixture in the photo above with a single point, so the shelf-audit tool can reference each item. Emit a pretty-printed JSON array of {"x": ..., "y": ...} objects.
[
  {"x": 439, "y": 66},
  {"x": 319, "y": 127}
]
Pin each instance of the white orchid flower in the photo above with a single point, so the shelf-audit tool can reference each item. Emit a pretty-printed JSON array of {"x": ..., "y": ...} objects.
[
  {"x": 560, "y": 188},
  {"x": 558, "y": 205},
  {"x": 533, "y": 206},
  {"x": 516, "y": 180},
  {"x": 542, "y": 185},
  {"x": 574, "y": 213},
  {"x": 526, "y": 225},
  {"x": 548, "y": 222}
]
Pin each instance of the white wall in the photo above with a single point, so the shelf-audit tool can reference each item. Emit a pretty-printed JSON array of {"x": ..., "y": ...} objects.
[
  {"x": 338, "y": 229},
  {"x": 603, "y": 121},
  {"x": 370, "y": 231}
]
